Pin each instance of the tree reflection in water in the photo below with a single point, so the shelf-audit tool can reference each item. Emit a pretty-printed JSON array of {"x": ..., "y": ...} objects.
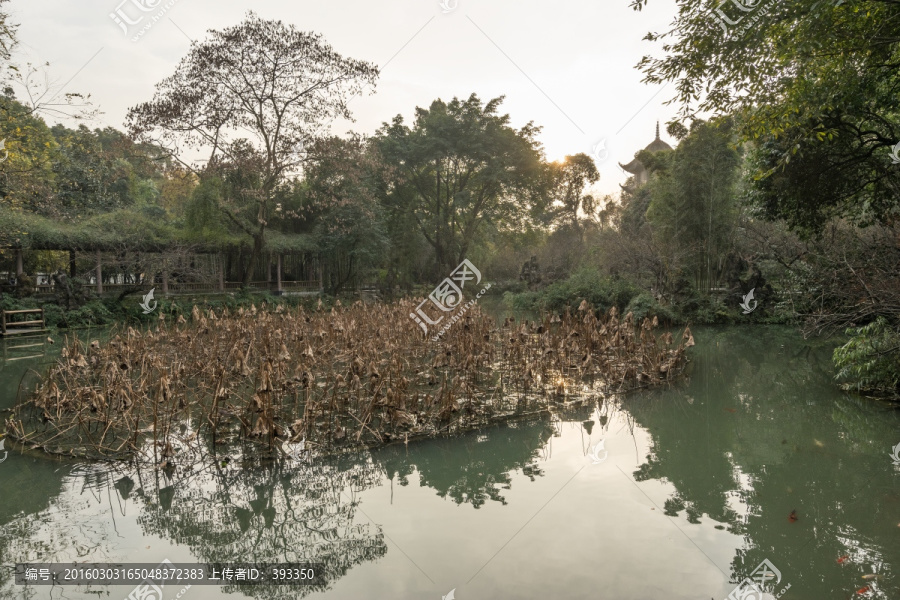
[
  {"x": 262, "y": 510},
  {"x": 473, "y": 468}
]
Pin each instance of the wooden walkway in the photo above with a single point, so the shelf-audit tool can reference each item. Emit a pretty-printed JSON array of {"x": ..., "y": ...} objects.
[{"x": 10, "y": 326}]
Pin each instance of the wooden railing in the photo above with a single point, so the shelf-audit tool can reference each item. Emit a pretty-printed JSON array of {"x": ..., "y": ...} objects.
[
  {"x": 181, "y": 287},
  {"x": 9, "y": 326}
]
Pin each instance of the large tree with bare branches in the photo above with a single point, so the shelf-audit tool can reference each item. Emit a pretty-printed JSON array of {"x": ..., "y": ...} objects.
[{"x": 262, "y": 86}]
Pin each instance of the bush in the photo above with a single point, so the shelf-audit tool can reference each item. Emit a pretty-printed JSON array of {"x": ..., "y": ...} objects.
[
  {"x": 588, "y": 284},
  {"x": 870, "y": 361},
  {"x": 54, "y": 315},
  {"x": 645, "y": 305},
  {"x": 92, "y": 314},
  {"x": 584, "y": 284},
  {"x": 522, "y": 301}
]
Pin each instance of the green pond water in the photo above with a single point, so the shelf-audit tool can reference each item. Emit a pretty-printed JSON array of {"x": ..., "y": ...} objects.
[{"x": 691, "y": 490}]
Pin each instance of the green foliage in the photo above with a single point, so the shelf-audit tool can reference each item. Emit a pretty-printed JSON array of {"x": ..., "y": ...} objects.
[
  {"x": 692, "y": 208},
  {"x": 203, "y": 217},
  {"x": 587, "y": 283},
  {"x": 567, "y": 181},
  {"x": 461, "y": 171},
  {"x": 634, "y": 210},
  {"x": 54, "y": 315},
  {"x": 645, "y": 305},
  {"x": 870, "y": 361},
  {"x": 341, "y": 194},
  {"x": 522, "y": 301},
  {"x": 814, "y": 82},
  {"x": 27, "y": 178},
  {"x": 97, "y": 171},
  {"x": 94, "y": 313}
]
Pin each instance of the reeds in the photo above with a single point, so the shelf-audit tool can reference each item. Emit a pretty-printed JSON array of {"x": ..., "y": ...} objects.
[{"x": 353, "y": 376}]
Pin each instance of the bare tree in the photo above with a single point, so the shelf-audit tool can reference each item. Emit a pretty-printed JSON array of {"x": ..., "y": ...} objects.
[{"x": 261, "y": 83}]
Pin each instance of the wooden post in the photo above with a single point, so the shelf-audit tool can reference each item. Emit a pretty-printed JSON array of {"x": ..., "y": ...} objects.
[
  {"x": 165, "y": 278},
  {"x": 321, "y": 278},
  {"x": 221, "y": 272},
  {"x": 19, "y": 266},
  {"x": 278, "y": 271},
  {"x": 99, "y": 274},
  {"x": 72, "y": 264},
  {"x": 269, "y": 274}
]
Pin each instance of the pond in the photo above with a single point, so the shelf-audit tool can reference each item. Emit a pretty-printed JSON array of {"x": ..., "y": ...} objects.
[{"x": 756, "y": 457}]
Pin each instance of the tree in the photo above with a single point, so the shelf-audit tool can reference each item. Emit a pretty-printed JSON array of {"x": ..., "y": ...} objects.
[
  {"x": 460, "y": 169},
  {"x": 568, "y": 201},
  {"x": 8, "y": 40},
  {"x": 813, "y": 81},
  {"x": 27, "y": 178},
  {"x": 692, "y": 197},
  {"x": 93, "y": 171},
  {"x": 341, "y": 185},
  {"x": 265, "y": 78}
]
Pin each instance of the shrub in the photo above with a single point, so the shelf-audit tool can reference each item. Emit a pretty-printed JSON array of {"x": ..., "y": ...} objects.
[
  {"x": 645, "y": 305},
  {"x": 54, "y": 315},
  {"x": 588, "y": 284},
  {"x": 522, "y": 300},
  {"x": 870, "y": 361}
]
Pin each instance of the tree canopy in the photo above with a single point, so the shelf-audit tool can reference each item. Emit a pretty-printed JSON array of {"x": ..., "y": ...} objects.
[
  {"x": 264, "y": 78},
  {"x": 814, "y": 82},
  {"x": 461, "y": 169}
]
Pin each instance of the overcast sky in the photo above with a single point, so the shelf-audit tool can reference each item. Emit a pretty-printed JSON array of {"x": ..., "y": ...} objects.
[{"x": 567, "y": 65}]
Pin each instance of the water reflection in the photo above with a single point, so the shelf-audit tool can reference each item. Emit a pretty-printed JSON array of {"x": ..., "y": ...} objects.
[
  {"x": 249, "y": 510},
  {"x": 757, "y": 432},
  {"x": 470, "y": 469}
]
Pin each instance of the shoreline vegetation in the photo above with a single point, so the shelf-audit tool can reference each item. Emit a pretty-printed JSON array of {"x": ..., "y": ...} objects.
[{"x": 303, "y": 381}]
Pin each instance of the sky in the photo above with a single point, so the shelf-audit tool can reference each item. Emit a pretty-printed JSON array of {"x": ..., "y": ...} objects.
[{"x": 566, "y": 65}]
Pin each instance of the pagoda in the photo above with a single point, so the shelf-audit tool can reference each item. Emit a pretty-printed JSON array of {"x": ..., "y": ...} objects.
[{"x": 636, "y": 167}]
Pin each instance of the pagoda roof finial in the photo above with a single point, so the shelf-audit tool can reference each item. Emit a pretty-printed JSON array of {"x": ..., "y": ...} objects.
[{"x": 657, "y": 130}]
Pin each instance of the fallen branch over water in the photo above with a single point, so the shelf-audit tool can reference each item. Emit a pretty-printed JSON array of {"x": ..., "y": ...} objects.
[{"x": 353, "y": 376}]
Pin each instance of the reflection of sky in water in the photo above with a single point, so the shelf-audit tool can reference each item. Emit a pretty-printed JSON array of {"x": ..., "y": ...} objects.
[{"x": 694, "y": 494}]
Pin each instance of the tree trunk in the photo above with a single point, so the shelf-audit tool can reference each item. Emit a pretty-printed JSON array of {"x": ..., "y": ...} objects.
[
  {"x": 221, "y": 269},
  {"x": 254, "y": 256},
  {"x": 99, "y": 274},
  {"x": 278, "y": 273}
]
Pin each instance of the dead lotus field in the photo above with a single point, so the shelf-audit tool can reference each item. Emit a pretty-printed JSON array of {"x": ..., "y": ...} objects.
[{"x": 323, "y": 380}]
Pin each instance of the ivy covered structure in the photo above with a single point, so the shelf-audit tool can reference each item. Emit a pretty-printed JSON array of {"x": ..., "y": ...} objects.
[{"x": 125, "y": 251}]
